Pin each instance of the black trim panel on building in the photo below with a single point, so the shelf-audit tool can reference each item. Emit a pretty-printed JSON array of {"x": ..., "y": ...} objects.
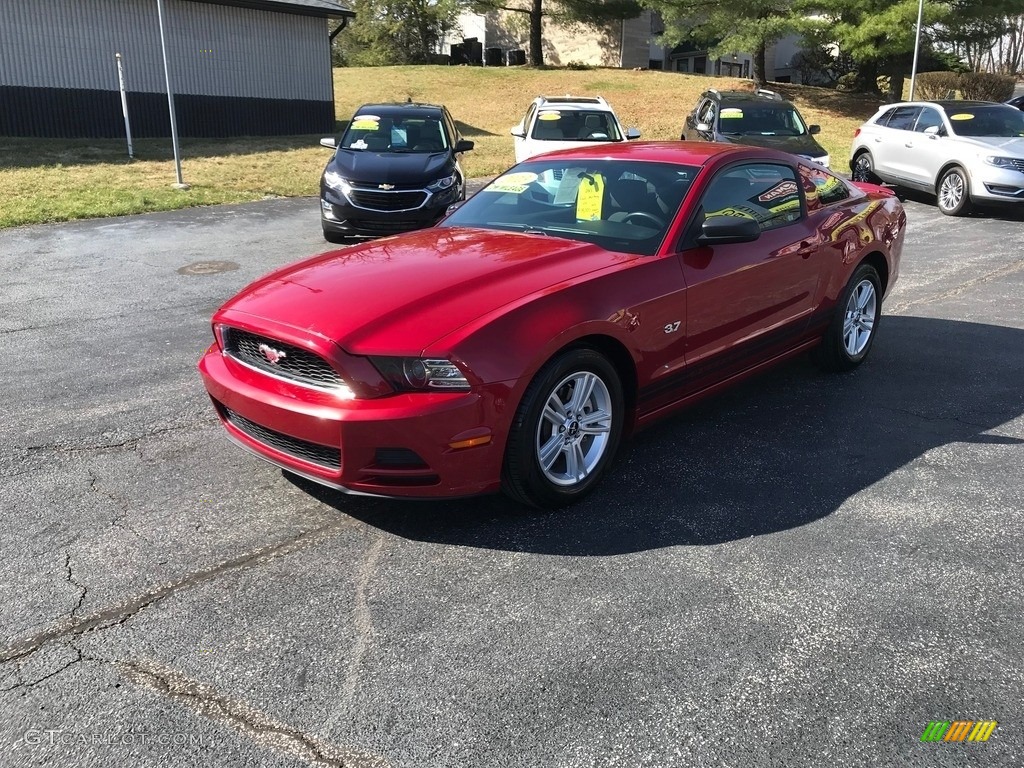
[{"x": 60, "y": 113}]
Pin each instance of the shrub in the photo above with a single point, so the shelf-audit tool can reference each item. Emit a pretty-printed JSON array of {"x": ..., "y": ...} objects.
[
  {"x": 986, "y": 86},
  {"x": 937, "y": 85},
  {"x": 847, "y": 82},
  {"x": 579, "y": 65}
]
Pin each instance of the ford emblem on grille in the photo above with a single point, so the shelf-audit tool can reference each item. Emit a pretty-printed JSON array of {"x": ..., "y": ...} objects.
[
  {"x": 385, "y": 186},
  {"x": 274, "y": 356}
]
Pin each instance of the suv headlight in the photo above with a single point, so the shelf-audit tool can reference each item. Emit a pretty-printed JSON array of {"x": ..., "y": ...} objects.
[
  {"x": 413, "y": 374},
  {"x": 1003, "y": 162},
  {"x": 443, "y": 183},
  {"x": 334, "y": 180}
]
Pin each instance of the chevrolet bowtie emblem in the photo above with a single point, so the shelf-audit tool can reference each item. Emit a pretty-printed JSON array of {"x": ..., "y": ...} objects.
[{"x": 385, "y": 186}]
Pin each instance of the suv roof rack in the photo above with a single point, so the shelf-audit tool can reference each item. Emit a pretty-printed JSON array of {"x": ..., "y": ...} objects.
[
  {"x": 568, "y": 99},
  {"x": 769, "y": 94}
]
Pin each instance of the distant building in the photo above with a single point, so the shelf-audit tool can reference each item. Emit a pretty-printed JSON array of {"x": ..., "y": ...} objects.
[
  {"x": 237, "y": 67},
  {"x": 629, "y": 43}
]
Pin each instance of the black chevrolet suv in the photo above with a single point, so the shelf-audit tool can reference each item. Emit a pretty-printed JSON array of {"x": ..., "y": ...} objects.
[
  {"x": 395, "y": 169},
  {"x": 761, "y": 118}
]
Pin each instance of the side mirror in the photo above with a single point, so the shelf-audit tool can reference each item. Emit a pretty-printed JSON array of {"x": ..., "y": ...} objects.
[
  {"x": 702, "y": 127},
  {"x": 932, "y": 130},
  {"x": 463, "y": 146},
  {"x": 814, "y": 129},
  {"x": 632, "y": 133},
  {"x": 518, "y": 132},
  {"x": 721, "y": 230},
  {"x": 329, "y": 142}
]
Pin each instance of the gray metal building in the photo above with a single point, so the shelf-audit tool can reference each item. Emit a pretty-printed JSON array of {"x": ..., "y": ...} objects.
[{"x": 237, "y": 67}]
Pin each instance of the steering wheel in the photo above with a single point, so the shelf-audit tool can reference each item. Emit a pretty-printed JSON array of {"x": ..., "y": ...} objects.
[{"x": 649, "y": 218}]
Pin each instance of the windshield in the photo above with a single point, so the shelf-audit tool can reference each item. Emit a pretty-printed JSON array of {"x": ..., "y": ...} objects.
[
  {"x": 995, "y": 120},
  {"x": 377, "y": 133},
  {"x": 620, "y": 205},
  {"x": 575, "y": 125},
  {"x": 747, "y": 120}
]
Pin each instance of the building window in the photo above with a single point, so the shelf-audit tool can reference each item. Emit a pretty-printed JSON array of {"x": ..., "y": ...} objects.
[
  {"x": 654, "y": 64},
  {"x": 682, "y": 65},
  {"x": 700, "y": 65}
]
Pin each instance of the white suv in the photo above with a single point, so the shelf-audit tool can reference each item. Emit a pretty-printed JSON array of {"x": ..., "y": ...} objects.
[
  {"x": 962, "y": 152},
  {"x": 570, "y": 121}
]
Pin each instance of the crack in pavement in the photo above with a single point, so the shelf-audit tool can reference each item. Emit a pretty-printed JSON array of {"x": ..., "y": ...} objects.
[
  {"x": 130, "y": 443},
  {"x": 124, "y": 503},
  {"x": 256, "y": 724},
  {"x": 119, "y": 614},
  {"x": 361, "y": 618},
  {"x": 1009, "y": 269},
  {"x": 71, "y": 580}
]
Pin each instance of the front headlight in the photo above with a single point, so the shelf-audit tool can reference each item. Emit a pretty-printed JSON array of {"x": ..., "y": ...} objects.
[
  {"x": 1003, "y": 162},
  {"x": 334, "y": 180},
  {"x": 823, "y": 160},
  {"x": 443, "y": 183},
  {"x": 413, "y": 374}
]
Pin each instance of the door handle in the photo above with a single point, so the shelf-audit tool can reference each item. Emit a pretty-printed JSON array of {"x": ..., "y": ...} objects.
[
  {"x": 806, "y": 249},
  {"x": 908, "y": 144},
  {"x": 877, "y": 139}
]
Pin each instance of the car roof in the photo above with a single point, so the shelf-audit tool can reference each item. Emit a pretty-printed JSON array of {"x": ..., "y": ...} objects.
[
  {"x": 761, "y": 97},
  {"x": 573, "y": 102},
  {"x": 410, "y": 109},
  {"x": 679, "y": 152},
  {"x": 945, "y": 104}
]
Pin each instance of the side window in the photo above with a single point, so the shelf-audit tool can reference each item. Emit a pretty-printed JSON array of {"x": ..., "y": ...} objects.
[
  {"x": 528, "y": 120},
  {"x": 884, "y": 118},
  {"x": 822, "y": 188},
  {"x": 765, "y": 192},
  {"x": 903, "y": 118},
  {"x": 929, "y": 118}
]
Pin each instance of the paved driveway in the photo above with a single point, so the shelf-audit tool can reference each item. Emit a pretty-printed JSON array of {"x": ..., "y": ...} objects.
[{"x": 803, "y": 572}]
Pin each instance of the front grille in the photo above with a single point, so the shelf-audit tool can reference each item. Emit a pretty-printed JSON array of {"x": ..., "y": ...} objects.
[
  {"x": 1018, "y": 164},
  {"x": 314, "y": 453},
  {"x": 293, "y": 362},
  {"x": 390, "y": 225},
  {"x": 387, "y": 201}
]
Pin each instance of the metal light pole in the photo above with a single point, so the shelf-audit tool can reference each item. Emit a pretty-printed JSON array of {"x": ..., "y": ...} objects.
[
  {"x": 124, "y": 106},
  {"x": 170, "y": 98},
  {"x": 917, "y": 46}
]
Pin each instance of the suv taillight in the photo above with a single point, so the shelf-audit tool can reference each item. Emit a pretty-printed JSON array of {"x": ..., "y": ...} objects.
[{"x": 856, "y": 133}]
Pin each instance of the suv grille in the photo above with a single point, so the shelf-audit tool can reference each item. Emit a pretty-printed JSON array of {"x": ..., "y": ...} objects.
[
  {"x": 314, "y": 453},
  {"x": 293, "y": 362},
  {"x": 1018, "y": 164},
  {"x": 387, "y": 201}
]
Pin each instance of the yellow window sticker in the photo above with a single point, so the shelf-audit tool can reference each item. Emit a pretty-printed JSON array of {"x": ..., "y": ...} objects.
[
  {"x": 366, "y": 123},
  {"x": 513, "y": 183},
  {"x": 962, "y": 116},
  {"x": 549, "y": 115},
  {"x": 731, "y": 112},
  {"x": 590, "y": 197},
  {"x": 523, "y": 177}
]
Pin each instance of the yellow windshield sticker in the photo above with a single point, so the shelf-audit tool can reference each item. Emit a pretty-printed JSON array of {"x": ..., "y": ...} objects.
[
  {"x": 590, "y": 197},
  {"x": 523, "y": 177},
  {"x": 731, "y": 112},
  {"x": 549, "y": 115},
  {"x": 366, "y": 123},
  {"x": 962, "y": 116}
]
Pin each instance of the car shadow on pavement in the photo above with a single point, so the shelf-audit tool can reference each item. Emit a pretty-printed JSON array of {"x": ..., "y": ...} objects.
[{"x": 783, "y": 450}]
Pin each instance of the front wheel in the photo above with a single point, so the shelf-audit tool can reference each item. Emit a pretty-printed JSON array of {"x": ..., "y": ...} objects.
[
  {"x": 954, "y": 196},
  {"x": 566, "y": 431},
  {"x": 852, "y": 331}
]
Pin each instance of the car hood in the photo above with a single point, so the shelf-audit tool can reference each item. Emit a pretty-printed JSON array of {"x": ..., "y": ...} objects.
[
  {"x": 398, "y": 295},
  {"x": 796, "y": 145},
  {"x": 1013, "y": 145},
  {"x": 390, "y": 167}
]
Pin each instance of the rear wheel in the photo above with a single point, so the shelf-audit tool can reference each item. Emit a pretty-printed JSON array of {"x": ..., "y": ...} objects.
[
  {"x": 864, "y": 169},
  {"x": 566, "y": 430},
  {"x": 852, "y": 331},
  {"x": 953, "y": 195}
]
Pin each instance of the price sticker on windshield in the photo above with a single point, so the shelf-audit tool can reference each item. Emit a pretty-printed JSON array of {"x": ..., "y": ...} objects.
[{"x": 590, "y": 197}]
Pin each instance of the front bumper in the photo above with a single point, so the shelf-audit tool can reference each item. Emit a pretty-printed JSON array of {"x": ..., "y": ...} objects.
[
  {"x": 993, "y": 184},
  {"x": 395, "y": 446},
  {"x": 338, "y": 215}
]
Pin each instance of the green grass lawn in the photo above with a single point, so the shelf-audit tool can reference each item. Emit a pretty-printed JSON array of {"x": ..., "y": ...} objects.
[{"x": 57, "y": 180}]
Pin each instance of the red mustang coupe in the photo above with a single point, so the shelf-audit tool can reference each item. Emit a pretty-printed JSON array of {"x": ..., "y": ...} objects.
[{"x": 575, "y": 299}]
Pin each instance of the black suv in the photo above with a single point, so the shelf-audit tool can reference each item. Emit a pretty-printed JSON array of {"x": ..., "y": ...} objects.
[
  {"x": 761, "y": 119},
  {"x": 395, "y": 169}
]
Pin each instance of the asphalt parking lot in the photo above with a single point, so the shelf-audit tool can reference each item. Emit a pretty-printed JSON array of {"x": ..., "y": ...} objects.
[{"x": 805, "y": 571}]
